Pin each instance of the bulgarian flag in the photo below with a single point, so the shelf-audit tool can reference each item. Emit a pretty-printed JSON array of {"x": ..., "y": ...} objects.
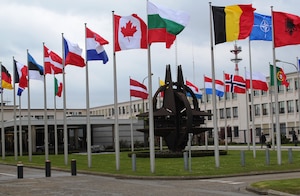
[
  {"x": 164, "y": 24},
  {"x": 57, "y": 87}
]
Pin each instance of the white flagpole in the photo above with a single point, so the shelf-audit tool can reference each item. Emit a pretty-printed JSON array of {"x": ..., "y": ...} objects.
[
  {"x": 15, "y": 119},
  {"x": 205, "y": 100},
  {"x": 88, "y": 120},
  {"x": 216, "y": 135},
  {"x": 64, "y": 103},
  {"x": 117, "y": 143},
  {"x": 45, "y": 114},
  {"x": 247, "y": 116},
  {"x": 55, "y": 124},
  {"x": 2, "y": 118},
  {"x": 225, "y": 122},
  {"x": 278, "y": 137},
  {"x": 20, "y": 128},
  {"x": 29, "y": 115},
  {"x": 131, "y": 123},
  {"x": 252, "y": 104}
]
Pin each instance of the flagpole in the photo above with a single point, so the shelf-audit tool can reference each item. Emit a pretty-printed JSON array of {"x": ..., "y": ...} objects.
[
  {"x": 64, "y": 103},
  {"x": 45, "y": 114},
  {"x": 20, "y": 128},
  {"x": 2, "y": 118},
  {"x": 247, "y": 116},
  {"x": 131, "y": 123},
  {"x": 88, "y": 120},
  {"x": 216, "y": 135},
  {"x": 278, "y": 137},
  {"x": 55, "y": 124},
  {"x": 116, "y": 130},
  {"x": 225, "y": 125},
  {"x": 205, "y": 133},
  {"x": 29, "y": 114},
  {"x": 252, "y": 104},
  {"x": 15, "y": 119}
]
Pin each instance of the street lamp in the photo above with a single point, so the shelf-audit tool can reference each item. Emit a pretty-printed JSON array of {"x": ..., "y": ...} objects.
[{"x": 298, "y": 78}]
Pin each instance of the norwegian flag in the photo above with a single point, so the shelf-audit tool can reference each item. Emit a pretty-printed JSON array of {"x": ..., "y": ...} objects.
[{"x": 234, "y": 83}]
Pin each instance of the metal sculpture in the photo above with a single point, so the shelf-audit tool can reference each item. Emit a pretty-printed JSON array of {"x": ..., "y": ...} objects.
[{"x": 177, "y": 117}]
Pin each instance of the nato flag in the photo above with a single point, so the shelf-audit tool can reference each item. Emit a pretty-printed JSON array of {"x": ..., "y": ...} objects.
[{"x": 262, "y": 28}]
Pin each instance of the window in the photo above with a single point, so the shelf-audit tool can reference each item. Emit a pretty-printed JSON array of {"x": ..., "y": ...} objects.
[
  {"x": 227, "y": 95},
  {"x": 264, "y": 108},
  {"x": 296, "y": 84},
  {"x": 290, "y": 106},
  {"x": 255, "y": 93},
  {"x": 208, "y": 98},
  {"x": 257, "y": 110},
  {"x": 221, "y": 113},
  {"x": 282, "y": 128},
  {"x": 281, "y": 107},
  {"x": 235, "y": 112},
  {"x": 236, "y": 131},
  {"x": 263, "y": 93},
  {"x": 281, "y": 88},
  {"x": 234, "y": 96},
  {"x": 228, "y": 112},
  {"x": 297, "y": 105},
  {"x": 289, "y": 88},
  {"x": 209, "y": 117}
]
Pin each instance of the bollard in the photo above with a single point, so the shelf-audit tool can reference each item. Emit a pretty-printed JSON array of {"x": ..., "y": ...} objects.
[
  {"x": 186, "y": 161},
  {"x": 267, "y": 156},
  {"x": 20, "y": 169},
  {"x": 242, "y": 158},
  {"x": 48, "y": 168},
  {"x": 133, "y": 159},
  {"x": 290, "y": 155},
  {"x": 73, "y": 167}
]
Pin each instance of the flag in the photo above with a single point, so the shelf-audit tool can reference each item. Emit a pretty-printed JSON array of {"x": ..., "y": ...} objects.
[
  {"x": 20, "y": 76},
  {"x": 52, "y": 62},
  {"x": 234, "y": 83},
  {"x": 259, "y": 81},
  {"x": 232, "y": 22},
  {"x": 58, "y": 87},
  {"x": 5, "y": 78},
  {"x": 36, "y": 71},
  {"x": 73, "y": 54},
  {"x": 286, "y": 29},
  {"x": 161, "y": 83},
  {"x": 130, "y": 32},
  {"x": 262, "y": 28},
  {"x": 280, "y": 75},
  {"x": 219, "y": 86},
  {"x": 164, "y": 24},
  {"x": 94, "y": 46},
  {"x": 195, "y": 89},
  {"x": 138, "y": 89}
]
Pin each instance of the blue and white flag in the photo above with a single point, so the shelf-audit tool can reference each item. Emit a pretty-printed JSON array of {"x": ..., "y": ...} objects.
[
  {"x": 262, "y": 28},
  {"x": 95, "y": 49},
  {"x": 36, "y": 71}
]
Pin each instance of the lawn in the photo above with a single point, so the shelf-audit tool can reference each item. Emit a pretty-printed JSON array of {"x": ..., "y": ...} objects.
[{"x": 200, "y": 166}]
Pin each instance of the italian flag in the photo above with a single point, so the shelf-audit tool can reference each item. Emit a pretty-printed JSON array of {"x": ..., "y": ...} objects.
[
  {"x": 57, "y": 87},
  {"x": 164, "y": 24}
]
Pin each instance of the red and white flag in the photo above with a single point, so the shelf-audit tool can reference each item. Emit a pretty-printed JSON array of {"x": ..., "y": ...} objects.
[
  {"x": 73, "y": 54},
  {"x": 130, "y": 33},
  {"x": 138, "y": 89},
  {"x": 234, "y": 83},
  {"x": 53, "y": 62},
  {"x": 259, "y": 81}
]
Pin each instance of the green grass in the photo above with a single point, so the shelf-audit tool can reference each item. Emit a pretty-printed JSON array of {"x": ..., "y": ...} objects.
[
  {"x": 201, "y": 166},
  {"x": 288, "y": 186}
]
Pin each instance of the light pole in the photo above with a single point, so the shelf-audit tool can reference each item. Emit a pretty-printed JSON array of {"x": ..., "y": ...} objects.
[{"x": 298, "y": 79}]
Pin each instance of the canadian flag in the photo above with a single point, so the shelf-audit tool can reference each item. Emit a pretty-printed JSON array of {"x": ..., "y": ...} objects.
[
  {"x": 138, "y": 89},
  {"x": 130, "y": 32}
]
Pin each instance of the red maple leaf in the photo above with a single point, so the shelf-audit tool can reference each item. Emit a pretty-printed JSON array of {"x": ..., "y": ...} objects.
[{"x": 129, "y": 30}]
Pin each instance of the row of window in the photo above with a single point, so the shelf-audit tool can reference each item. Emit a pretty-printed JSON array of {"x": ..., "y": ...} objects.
[{"x": 123, "y": 110}]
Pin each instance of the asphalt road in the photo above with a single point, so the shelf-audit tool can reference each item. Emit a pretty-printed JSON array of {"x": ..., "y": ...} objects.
[{"x": 34, "y": 183}]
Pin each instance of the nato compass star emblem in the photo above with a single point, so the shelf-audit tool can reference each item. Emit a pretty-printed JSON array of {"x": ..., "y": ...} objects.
[{"x": 265, "y": 26}]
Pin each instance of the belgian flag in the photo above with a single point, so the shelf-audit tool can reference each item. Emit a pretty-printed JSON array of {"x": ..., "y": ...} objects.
[
  {"x": 5, "y": 78},
  {"x": 232, "y": 22}
]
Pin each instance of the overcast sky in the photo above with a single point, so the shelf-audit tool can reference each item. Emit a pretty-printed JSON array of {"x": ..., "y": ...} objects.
[{"x": 27, "y": 24}]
